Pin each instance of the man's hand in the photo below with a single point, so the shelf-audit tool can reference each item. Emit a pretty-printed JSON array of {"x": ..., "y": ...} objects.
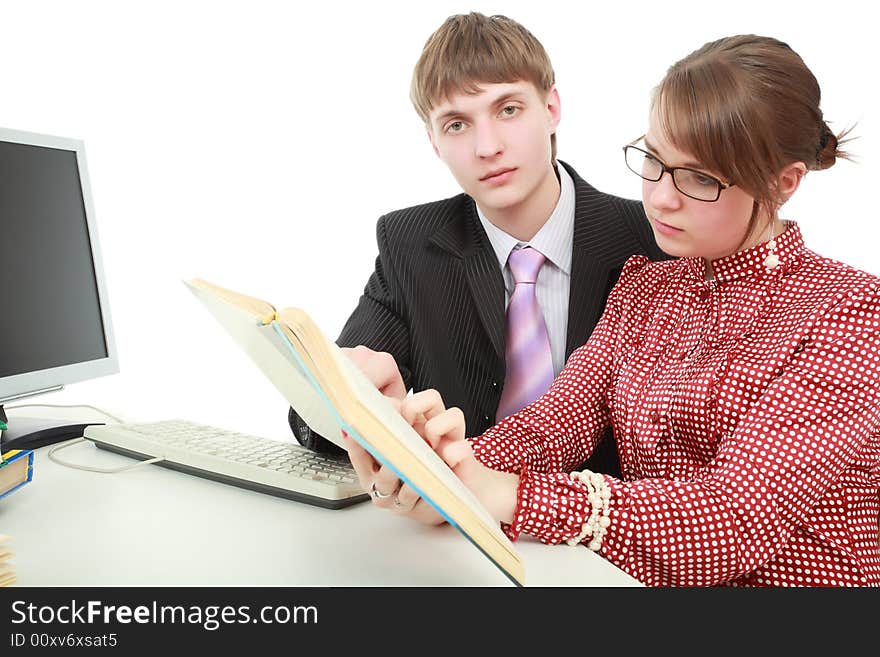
[
  {"x": 380, "y": 368},
  {"x": 386, "y": 490}
]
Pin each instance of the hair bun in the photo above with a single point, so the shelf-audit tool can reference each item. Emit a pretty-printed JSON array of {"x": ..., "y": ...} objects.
[{"x": 826, "y": 152}]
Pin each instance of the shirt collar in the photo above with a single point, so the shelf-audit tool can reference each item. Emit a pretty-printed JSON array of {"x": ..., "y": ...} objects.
[
  {"x": 789, "y": 249},
  {"x": 555, "y": 237}
]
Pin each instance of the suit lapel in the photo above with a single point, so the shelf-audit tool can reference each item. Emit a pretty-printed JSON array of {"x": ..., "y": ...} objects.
[
  {"x": 586, "y": 297},
  {"x": 487, "y": 288},
  {"x": 595, "y": 247},
  {"x": 467, "y": 240},
  {"x": 590, "y": 272}
]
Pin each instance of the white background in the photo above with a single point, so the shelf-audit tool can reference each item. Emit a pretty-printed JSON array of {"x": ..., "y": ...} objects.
[{"x": 256, "y": 143}]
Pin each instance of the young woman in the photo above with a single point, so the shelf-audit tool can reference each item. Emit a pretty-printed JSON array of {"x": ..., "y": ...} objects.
[{"x": 742, "y": 380}]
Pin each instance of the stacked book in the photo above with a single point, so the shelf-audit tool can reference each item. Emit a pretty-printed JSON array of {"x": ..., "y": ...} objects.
[
  {"x": 7, "y": 575},
  {"x": 16, "y": 469}
]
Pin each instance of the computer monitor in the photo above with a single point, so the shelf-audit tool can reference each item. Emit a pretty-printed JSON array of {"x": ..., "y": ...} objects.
[{"x": 55, "y": 324}]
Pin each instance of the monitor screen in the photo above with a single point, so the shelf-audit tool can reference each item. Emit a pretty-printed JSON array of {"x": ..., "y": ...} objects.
[{"x": 54, "y": 320}]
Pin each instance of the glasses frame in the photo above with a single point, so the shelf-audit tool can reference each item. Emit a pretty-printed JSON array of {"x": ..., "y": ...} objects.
[{"x": 664, "y": 168}]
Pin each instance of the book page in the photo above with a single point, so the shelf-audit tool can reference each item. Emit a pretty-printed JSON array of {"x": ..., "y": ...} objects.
[
  {"x": 264, "y": 347},
  {"x": 287, "y": 376},
  {"x": 7, "y": 574},
  {"x": 13, "y": 473},
  {"x": 5, "y": 553},
  {"x": 253, "y": 305}
]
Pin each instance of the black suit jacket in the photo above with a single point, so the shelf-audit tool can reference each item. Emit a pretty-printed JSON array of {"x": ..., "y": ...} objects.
[{"x": 436, "y": 299}]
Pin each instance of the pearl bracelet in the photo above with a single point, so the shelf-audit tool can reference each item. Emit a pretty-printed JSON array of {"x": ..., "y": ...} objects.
[{"x": 599, "y": 494}]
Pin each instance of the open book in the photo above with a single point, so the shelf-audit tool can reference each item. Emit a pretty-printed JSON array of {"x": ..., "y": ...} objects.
[{"x": 331, "y": 394}]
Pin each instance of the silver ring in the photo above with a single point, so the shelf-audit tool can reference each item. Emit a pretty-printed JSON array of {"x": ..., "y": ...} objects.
[{"x": 377, "y": 494}]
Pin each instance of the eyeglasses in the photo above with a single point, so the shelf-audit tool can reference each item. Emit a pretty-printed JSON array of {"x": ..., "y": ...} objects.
[{"x": 691, "y": 183}]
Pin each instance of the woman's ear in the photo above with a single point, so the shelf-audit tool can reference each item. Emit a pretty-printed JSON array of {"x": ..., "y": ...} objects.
[{"x": 789, "y": 180}]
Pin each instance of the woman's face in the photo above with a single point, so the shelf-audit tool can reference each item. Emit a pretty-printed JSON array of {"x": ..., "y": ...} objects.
[{"x": 688, "y": 228}]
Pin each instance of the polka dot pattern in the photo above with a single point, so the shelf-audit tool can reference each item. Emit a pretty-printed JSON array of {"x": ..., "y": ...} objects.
[{"x": 747, "y": 416}]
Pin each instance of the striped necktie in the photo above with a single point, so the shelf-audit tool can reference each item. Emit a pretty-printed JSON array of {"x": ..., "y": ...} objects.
[{"x": 528, "y": 355}]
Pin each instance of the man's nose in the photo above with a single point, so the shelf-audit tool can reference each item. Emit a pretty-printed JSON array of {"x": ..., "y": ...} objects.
[{"x": 489, "y": 142}]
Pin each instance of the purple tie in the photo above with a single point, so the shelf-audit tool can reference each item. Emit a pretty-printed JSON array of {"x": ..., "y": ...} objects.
[{"x": 529, "y": 360}]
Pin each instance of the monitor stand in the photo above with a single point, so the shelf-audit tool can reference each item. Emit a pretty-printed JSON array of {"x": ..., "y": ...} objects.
[{"x": 33, "y": 432}]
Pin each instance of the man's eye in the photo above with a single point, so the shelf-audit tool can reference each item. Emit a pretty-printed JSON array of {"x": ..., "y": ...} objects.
[
  {"x": 510, "y": 110},
  {"x": 455, "y": 126}
]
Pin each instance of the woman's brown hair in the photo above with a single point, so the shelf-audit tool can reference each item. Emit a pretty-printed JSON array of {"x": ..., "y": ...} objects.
[{"x": 747, "y": 106}]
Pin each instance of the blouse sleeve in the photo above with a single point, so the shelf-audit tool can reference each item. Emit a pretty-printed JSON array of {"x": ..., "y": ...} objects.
[{"x": 820, "y": 417}]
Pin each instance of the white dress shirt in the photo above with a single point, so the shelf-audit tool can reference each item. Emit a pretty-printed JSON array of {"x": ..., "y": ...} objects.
[{"x": 554, "y": 240}]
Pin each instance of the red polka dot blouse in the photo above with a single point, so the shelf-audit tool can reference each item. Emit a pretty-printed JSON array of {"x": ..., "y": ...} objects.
[{"x": 747, "y": 415}]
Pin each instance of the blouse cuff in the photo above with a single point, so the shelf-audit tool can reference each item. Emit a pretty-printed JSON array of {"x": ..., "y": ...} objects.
[{"x": 550, "y": 507}]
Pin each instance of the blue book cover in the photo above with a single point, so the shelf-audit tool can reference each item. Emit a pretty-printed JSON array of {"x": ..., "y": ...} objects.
[{"x": 16, "y": 469}]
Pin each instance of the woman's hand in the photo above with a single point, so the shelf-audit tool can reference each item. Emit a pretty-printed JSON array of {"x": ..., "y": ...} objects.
[{"x": 444, "y": 430}]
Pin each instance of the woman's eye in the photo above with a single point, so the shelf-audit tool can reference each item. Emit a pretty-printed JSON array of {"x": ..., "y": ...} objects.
[{"x": 706, "y": 181}]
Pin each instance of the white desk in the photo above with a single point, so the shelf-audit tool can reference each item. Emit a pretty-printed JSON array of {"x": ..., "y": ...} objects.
[{"x": 153, "y": 526}]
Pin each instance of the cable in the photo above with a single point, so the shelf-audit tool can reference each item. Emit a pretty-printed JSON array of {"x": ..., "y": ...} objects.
[
  {"x": 88, "y": 468},
  {"x": 94, "y": 408},
  {"x": 68, "y": 443}
]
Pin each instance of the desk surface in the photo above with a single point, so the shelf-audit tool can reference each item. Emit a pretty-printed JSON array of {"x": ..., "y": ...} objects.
[{"x": 153, "y": 526}]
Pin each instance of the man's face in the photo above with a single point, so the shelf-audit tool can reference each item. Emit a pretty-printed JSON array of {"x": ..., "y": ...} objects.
[{"x": 497, "y": 142}]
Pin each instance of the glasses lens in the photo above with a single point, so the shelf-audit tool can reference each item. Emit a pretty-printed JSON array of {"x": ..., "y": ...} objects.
[
  {"x": 643, "y": 164},
  {"x": 697, "y": 185}
]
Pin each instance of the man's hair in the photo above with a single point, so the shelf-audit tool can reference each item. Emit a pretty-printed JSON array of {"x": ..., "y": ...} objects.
[{"x": 473, "y": 49}]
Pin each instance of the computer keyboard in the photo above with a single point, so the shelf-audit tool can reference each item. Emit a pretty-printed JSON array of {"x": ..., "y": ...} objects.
[{"x": 268, "y": 466}]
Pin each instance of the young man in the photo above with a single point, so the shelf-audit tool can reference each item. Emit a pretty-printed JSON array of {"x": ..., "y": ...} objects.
[{"x": 485, "y": 88}]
